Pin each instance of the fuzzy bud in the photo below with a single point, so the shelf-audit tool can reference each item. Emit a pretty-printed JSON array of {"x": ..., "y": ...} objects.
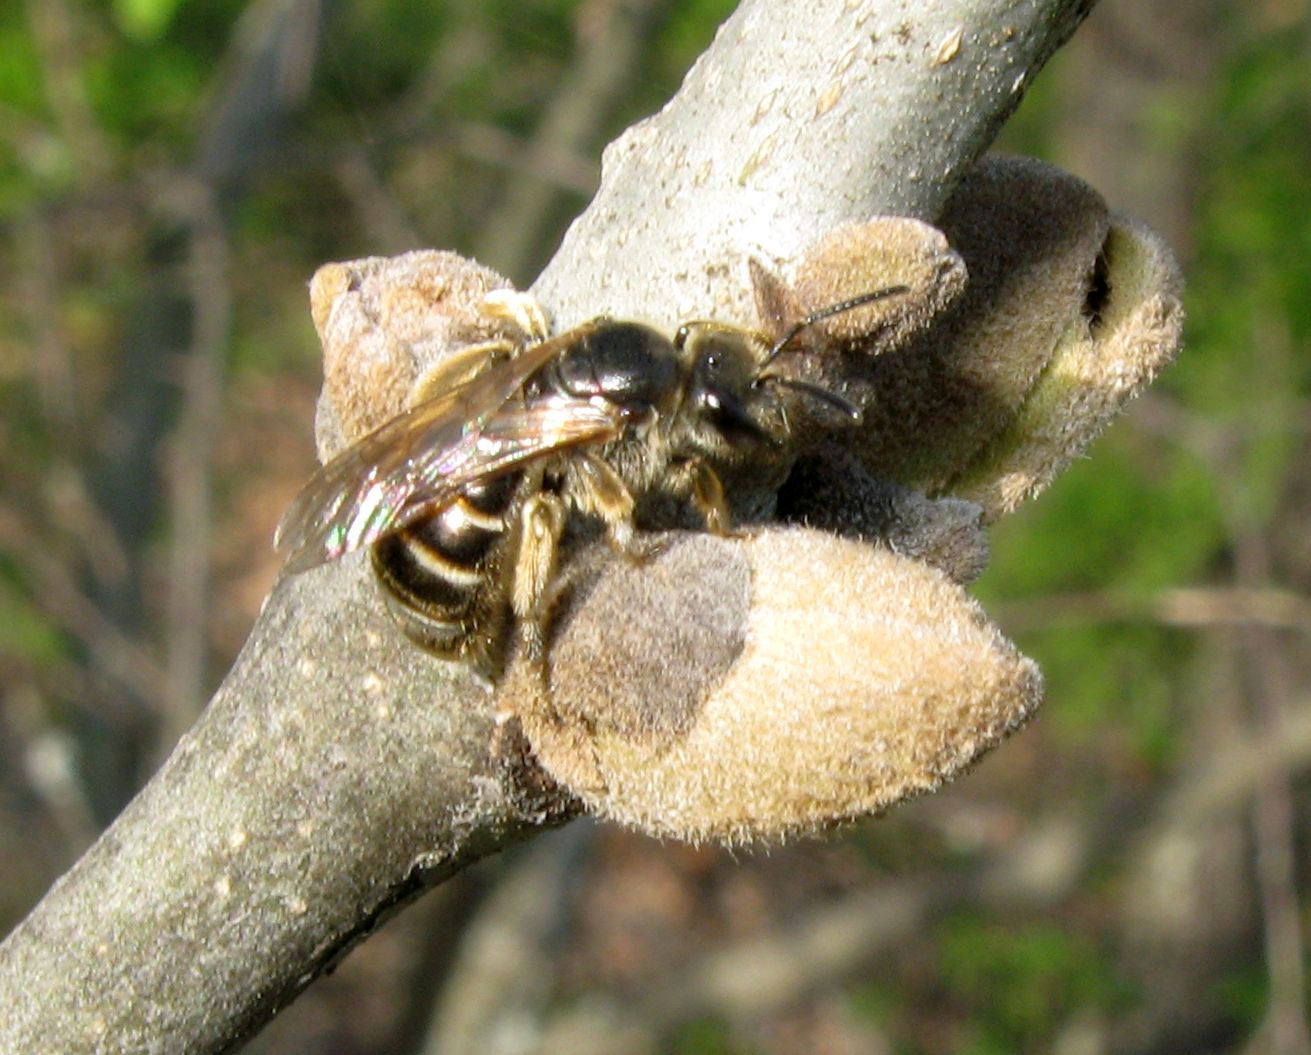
[
  {"x": 774, "y": 685},
  {"x": 383, "y": 322},
  {"x": 1102, "y": 360},
  {"x": 957, "y": 408},
  {"x": 884, "y": 253},
  {"x": 832, "y": 491}
]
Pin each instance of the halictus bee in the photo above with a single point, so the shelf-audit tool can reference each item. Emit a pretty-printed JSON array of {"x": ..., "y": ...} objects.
[{"x": 464, "y": 498}]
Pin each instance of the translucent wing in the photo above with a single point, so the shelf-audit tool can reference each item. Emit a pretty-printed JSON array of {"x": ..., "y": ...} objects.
[
  {"x": 416, "y": 463},
  {"x": 516, "y": 435}
]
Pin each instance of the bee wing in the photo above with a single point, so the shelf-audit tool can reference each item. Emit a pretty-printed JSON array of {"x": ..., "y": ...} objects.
[
  {"x": 418, "y": 462},
  {"x": 520, "y": 434}
]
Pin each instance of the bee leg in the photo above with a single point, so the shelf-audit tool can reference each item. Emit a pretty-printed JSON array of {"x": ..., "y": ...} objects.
[
  {"x": 604, "y": 494},
  {"x": 457, "y": 369},
  {"x": 462, "y": 366},
  {"x": 540, "y": 523},
  {"x": 522, "y": 309},
  {"x": 706, "y": 490},
  {"x": 708, "y": 496}
]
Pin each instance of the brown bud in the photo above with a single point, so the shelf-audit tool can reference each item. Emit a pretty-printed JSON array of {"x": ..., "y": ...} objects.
[
  {"x": 1103, "y": 359},
  {"x": 1030, "y": 236},
  {"x": 772, "y": 685},
  {"x": 883, "y": 252},
  {"x": 383, "y": 321},
  {"x": 1068, "y": 314}
]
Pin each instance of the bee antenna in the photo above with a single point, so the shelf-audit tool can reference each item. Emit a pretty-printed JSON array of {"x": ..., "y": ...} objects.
[
  {"x": 829, "y": 312},
  {"x": 824, "y": 395}
]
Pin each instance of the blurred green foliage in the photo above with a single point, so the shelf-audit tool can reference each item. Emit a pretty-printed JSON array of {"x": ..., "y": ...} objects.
[
  {"x": 707, "y": 1037},
  {"x": 1244, "y": 994},
  {"x": 144, "y": 19},
  {"x": 1157, "y": 503},
  {"x": 24, "y": 630},
  {"x": 1018, "y": 985}
]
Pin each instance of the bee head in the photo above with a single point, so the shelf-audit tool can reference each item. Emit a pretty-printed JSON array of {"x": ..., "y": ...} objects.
[{"x": 722, "y": 363}]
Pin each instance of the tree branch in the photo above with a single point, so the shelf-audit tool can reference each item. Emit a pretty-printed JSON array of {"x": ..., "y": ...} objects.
[
  {"x": 338, "y": 770},
  {"x": 789, "y": 126}
]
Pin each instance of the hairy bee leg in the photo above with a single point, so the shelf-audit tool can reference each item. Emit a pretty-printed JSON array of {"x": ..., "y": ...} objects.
[
  {"x": 541, "y": 523},
  {"x": 522, "y": 309},
  {"x": 604, "y": 494},
  {"x": 457, "y": 369},
  {"x": 707, "y": 492},
  {"x": 461, "y": 367}
]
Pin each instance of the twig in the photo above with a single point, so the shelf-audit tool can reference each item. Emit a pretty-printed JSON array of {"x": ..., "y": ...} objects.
[
  {"x": 552, "y": 164},
  {"x": 1232, "y": 776},
  {"x": 55, "y": 31},
  {"x": 762, "y": 974},
  {"x": 50, "y": 362},
  {"x": 64, "y": 483},
  {"x": 56, "y": 593},
  {"x": 1271, "y": 687},
  {"x": 50, "y": 764},
  {"x": 502, "y": 977},
  {"x": 381, "y": 215},
  {"x": 1187, "y": 607},
  {"x": 188, "y": 578},
  {"x": 570, "y": 122}
]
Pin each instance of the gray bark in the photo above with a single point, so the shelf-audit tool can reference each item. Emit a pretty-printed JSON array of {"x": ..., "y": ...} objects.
[{"x": 338, "y": 770}]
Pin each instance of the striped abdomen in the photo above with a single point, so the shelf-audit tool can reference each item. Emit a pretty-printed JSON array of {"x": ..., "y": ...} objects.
[{"x": 440, "y": 575}]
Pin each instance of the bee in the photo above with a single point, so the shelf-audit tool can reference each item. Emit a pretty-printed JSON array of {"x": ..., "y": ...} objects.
[{"x": 465, "y": 497}]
